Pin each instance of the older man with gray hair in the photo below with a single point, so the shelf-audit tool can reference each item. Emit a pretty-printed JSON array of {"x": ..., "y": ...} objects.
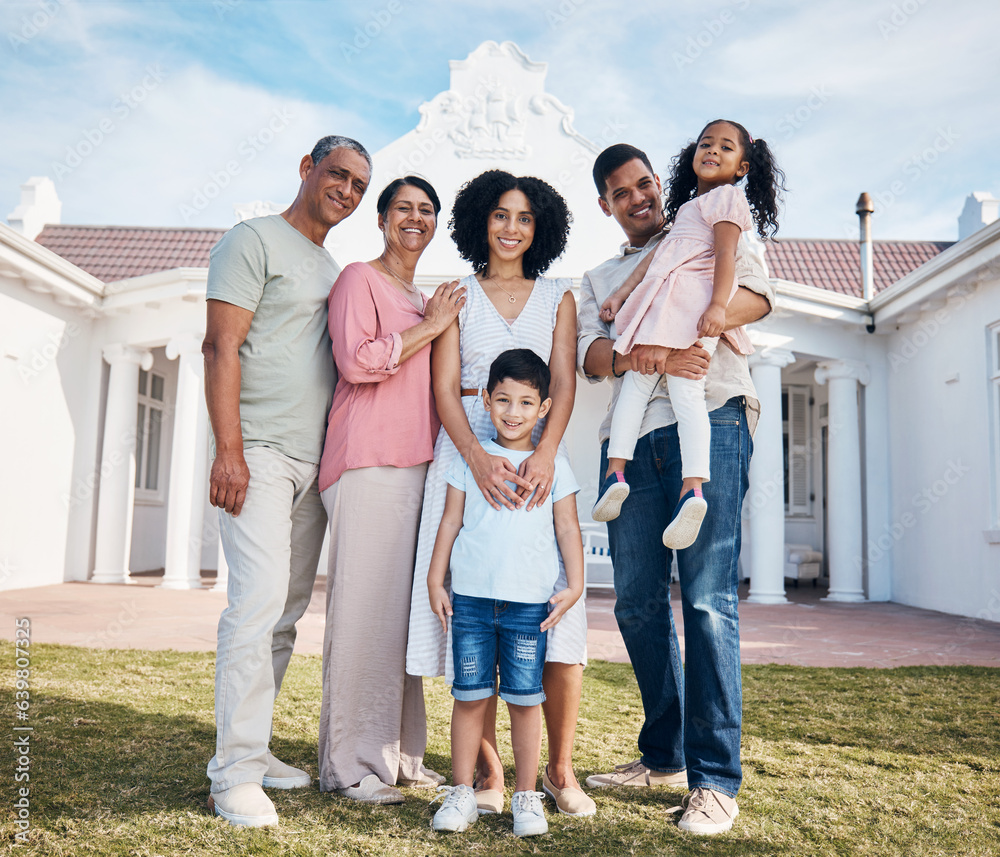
[{"x": 269, "y": 379}]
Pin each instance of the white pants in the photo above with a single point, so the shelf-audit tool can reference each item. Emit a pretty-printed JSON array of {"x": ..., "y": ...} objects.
[
  {"x": 273, "y": 550},
  {"x": 687, "y": 398}
]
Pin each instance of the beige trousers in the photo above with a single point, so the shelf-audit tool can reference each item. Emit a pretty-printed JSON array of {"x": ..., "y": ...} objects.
[{"x": 372, "y": 719}]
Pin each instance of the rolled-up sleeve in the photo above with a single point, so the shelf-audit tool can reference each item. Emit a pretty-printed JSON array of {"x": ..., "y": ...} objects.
[
  {"x": 750, "y": 271},
  {"x": 589, "y": 327},
  {"x": 364, "y": 353}
]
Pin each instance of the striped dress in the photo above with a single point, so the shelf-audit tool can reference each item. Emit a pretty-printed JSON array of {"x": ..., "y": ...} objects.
[{"x": 484, "y": 334}]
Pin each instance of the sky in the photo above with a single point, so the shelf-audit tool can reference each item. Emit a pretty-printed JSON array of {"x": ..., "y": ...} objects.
[{"x": 139, "y": 111}]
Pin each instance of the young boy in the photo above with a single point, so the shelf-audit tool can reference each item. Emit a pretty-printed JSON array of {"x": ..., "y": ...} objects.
[{"x": 504, "y": 565}]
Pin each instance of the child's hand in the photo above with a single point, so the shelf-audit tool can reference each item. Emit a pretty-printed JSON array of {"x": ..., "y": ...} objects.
[
  {"x": 713, "y": 321},
  {"x": 609, "y": 309},
  {"x": 440, "y": 604},
  {"x": 561, "y": 602}
]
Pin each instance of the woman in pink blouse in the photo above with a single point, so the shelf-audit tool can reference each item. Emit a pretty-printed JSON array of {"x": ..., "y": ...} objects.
[{"x": 379, "y": 440}]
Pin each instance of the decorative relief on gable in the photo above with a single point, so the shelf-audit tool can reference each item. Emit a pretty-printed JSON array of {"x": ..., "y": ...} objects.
[{"x": 493, "y": 94}]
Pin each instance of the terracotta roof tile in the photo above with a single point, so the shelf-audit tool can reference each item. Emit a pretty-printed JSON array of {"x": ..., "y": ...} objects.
[
  {"x": 836, "y": 264},
  {"x": 118, "y": 252}
]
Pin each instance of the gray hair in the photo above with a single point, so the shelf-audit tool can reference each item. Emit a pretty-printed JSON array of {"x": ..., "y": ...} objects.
[{"x": 327, "y": 144}]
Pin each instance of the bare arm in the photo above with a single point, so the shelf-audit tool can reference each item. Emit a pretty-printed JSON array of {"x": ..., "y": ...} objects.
[
  {"x": 571, "y": 547},
  {"x": 609, "y": 309},
  {"x": 491, "y": 472},
  {"x": 226, "y": 329},
  {"x": 451, "y": 524},
  {"x": 539, "y": 467},
  {"x": 713, "y": 320}
]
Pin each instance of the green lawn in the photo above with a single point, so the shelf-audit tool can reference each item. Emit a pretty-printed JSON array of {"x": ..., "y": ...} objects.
[{"x": 836, "y": 761}]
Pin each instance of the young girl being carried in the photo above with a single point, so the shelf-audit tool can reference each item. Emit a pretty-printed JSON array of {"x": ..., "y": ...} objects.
[{"x": 682, "y": 298}]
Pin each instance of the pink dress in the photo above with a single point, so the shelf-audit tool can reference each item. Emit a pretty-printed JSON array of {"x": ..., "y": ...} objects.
[{"x": 665, "y": 307}]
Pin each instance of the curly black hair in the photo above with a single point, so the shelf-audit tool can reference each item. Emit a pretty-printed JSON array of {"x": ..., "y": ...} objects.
[
  {"x": 765, "y": 182},
  {"x": 478, "y": 198}
]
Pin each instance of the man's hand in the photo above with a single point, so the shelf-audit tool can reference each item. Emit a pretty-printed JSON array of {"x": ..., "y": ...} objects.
[
  {"x": 689, "y": 363},
  {"x": 228, "y": 481}
]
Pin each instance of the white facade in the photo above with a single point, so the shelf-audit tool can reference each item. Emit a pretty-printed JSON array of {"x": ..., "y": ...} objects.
[{"x": 891, "y": 412}]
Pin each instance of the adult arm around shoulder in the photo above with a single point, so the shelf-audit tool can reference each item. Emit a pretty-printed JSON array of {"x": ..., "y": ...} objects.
[
  {"x": 539, "y": 467},
  {"x": 491, "y": 472},
  {"x": 226, "y": 329}
]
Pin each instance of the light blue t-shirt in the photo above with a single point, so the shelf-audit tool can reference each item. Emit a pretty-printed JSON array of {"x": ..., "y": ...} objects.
[{"x": 507, "y": 554}]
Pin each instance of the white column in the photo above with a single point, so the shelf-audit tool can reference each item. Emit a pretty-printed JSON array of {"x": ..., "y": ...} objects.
[
  {"x": 843, "y": 489},
  {"x": 766, "y": 497},
  {"x": 117, "y": 493},
  {"x": 188, "y": 461}
]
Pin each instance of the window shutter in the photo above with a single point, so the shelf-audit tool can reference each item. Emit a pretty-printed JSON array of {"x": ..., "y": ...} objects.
[{"x": 800, "y": 461}]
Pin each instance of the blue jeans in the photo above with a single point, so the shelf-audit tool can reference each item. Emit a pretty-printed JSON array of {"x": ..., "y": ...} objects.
[
  {"x": 693, "y": 714},
  {"x": 487, "y": 633}
]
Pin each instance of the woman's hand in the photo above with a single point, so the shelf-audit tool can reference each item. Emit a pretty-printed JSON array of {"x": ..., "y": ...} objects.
[
  {"x": 539, "y": 469},
  {"x": 561, "y": 602},
  {"x": 713, "y": 321},
  {"x": 443, "y": 306},
  {"x": 440, "y": 604},
  {"x": 492, "y": 473}
]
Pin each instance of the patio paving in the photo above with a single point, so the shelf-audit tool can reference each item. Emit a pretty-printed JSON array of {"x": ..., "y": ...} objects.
[{"x": 807, "y": 631}]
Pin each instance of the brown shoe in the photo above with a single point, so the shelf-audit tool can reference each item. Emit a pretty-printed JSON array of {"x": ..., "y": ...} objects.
[
  {"x": 637, "y": 775},
  {"x": 708, "y": 811},
  {"x": 568, "y": 801}
]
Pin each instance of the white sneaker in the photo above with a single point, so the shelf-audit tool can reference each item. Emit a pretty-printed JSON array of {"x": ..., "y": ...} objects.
[
  {"x": 529, "y": 817},
  {"x": 458, "y": 811},
  {"x": 282, "y": 776},
  {"x": 244, "y": 804}
]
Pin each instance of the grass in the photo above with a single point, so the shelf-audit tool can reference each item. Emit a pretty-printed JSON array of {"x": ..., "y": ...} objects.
[{"x": 836, "y": 762}]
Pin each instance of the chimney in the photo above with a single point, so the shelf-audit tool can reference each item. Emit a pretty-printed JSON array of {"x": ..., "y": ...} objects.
[
  {"x": 980, "y": 210},
  {"x": 865, "y": 210},
  {"x": 39, "y": 205}
]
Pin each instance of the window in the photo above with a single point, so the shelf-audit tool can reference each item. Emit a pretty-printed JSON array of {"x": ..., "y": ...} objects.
[
  {"x": 797, "y": 443},
  {"x": 993, "y": 357},
  {"x": 148, "y": 434}
]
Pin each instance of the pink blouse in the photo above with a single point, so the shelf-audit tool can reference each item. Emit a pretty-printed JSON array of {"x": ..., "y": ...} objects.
[{"x": 383, "y": 412}]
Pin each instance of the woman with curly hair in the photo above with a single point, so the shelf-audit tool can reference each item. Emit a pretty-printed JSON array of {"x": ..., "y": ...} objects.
[{"x": 510, "y": 229}]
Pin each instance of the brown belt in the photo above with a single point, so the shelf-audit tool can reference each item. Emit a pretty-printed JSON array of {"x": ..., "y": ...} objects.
[{"x": 470, "y": 392}]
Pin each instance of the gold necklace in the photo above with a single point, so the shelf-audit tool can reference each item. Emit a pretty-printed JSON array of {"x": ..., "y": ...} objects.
[
  {"x": 407, "y": 284},
  {"x": 510, "y": 297}
]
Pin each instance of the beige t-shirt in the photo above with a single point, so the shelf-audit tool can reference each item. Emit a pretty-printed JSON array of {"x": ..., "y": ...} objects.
[
  {"x": 287, "y": 374},
  {"x": 728, "y": 374}
]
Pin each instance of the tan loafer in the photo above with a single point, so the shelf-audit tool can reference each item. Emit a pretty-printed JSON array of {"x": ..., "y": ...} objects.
[
  {"x": 568, "y": 801},
  {"x": 489, "y": 801},
  {"x": 282, "y": 776},
  {"x": 428, "y": 780},
  {"x": 372, "y": 790},
  {"x": 637, "y": 775},
  {"x": 244, "y": 805}
]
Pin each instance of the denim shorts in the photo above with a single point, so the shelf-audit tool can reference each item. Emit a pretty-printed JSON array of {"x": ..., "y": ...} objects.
[{"x": 486, "y": 634}]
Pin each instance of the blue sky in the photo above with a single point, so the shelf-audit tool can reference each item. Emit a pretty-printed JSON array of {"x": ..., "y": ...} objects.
[{"x": 133, "y": 107}]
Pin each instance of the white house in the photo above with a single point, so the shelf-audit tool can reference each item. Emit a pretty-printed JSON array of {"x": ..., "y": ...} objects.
[{"x": 879, "y": 375}]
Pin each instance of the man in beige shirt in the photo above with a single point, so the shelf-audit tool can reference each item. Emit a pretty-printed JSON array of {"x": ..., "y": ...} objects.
[{"x": 691, "y": 734}]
